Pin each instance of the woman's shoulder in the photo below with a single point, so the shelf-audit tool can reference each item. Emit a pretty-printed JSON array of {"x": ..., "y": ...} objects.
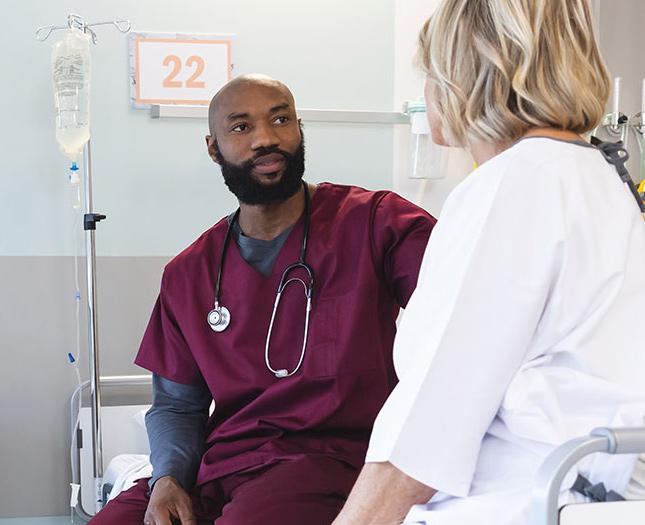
[
  {"x": 532, "y": 169},
  {"x": 545, "y": 153},
  {"x": 543, "y": 161}
]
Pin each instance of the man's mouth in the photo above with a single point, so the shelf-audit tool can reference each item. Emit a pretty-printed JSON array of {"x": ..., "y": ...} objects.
[{"x": 271, "y": 163}]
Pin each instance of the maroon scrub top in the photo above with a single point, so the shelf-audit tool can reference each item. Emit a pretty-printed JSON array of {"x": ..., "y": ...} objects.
[{"x": 365, "y": 249}]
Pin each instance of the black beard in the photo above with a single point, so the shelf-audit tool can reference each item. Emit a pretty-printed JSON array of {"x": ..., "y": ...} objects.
[{"x": 241, "y": 183}]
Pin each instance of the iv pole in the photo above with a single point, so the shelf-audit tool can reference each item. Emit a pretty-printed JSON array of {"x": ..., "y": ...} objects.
[{"x": 89, "y": 225}]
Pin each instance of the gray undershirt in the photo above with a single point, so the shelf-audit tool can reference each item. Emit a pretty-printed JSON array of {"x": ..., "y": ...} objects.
[
  {"x": 258, "y": 253},
  {"x": 176, "y": 423}
]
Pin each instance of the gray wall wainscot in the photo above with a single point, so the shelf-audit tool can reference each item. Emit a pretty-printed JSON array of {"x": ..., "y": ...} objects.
[{"x": 37, "y": 329}]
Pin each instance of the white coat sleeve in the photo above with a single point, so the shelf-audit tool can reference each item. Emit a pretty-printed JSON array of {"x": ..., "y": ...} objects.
[{"x": 484, "y": 283}]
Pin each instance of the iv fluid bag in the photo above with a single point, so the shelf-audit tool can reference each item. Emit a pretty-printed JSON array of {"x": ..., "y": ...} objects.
[{"x": 71, "y": 64}]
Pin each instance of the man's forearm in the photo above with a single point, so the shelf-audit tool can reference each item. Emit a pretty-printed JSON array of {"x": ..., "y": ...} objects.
[
  {"x": 382, "y": 495},
  {"x": 176, "y": 430}
]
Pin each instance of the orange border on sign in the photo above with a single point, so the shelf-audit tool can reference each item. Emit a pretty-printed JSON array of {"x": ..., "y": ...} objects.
[{"x": 140, "y": 39}]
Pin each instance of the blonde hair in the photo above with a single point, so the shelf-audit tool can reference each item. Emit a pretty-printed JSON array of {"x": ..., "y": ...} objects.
[{"x": 498, "y": 68}]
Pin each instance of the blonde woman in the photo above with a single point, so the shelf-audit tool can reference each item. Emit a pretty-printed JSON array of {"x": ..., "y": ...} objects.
[{"x": 521, "y": 332}]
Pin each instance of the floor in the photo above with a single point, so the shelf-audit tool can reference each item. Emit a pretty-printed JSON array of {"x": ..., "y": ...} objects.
[{"x": 53, "y": 520}]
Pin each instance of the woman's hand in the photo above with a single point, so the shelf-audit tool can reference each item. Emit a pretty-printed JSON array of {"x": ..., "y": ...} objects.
[{"x": 382, "y": 495}]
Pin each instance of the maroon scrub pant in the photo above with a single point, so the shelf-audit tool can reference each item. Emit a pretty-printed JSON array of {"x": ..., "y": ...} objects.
[{"x": 308, "y": 490}]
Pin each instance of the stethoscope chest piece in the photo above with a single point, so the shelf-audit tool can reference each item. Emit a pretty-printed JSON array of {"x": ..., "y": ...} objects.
[{"x": 219, "y": 318}]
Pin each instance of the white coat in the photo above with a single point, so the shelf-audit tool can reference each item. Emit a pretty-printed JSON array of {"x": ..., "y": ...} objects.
[{"x": 525, "y": 330}]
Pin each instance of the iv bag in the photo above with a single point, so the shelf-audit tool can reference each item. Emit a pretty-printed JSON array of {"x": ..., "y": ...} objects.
[{"x": 71, "y": 64}]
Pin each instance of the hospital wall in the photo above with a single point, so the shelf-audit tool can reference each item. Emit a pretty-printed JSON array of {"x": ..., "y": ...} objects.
[
  {"x": 160, "y": 190},
  {"x": 619, "y": 31},
  {"x": 154, "y": 181}
]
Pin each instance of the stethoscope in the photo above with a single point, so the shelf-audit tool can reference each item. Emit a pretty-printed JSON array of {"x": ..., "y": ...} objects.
[{"x": 219, "y": 318}]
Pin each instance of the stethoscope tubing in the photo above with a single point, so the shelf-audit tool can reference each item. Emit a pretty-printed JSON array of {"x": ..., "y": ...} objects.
[{"x": 284, "y": 281}]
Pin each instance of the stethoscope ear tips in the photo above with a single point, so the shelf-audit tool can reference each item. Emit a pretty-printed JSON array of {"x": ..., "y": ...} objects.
[{"x": 282, "y": 373}]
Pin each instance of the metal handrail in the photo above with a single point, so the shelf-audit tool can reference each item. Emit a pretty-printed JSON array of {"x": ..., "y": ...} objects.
[
  {"x": 544, "y": 501},
  {"x": 110, "y": 381},
  {"x": 346, "y": 116}
]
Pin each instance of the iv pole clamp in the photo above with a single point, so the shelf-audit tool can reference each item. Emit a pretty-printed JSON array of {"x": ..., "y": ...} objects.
[{"x": 90, "y": 219}]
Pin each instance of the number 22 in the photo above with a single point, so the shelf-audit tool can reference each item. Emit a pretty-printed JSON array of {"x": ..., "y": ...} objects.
[{"x": 191, "y": 82}]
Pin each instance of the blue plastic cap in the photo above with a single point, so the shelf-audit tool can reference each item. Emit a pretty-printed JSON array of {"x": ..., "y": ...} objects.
[
  {"x": 74, "y": 166},
  {"x": 71, "y": 358},
  {"x": 417, "y": 107}
]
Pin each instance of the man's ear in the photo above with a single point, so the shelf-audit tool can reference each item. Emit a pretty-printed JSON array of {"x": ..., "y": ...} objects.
[{"x": 211, "y": 144}]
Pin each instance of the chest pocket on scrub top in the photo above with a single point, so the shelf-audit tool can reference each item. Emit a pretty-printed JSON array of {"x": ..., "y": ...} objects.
[{"x": 330, "y": 350}]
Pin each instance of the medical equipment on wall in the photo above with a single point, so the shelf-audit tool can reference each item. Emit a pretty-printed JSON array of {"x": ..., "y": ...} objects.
[
  {"x": 616, "y": 126},
  {"x": 637, "y": 123},
  {"x": 420, "y": 130},
  {"x": 71, "y": 69},
  {"x": 425, "y": 155},
  {"x": 219, "y": 317}
]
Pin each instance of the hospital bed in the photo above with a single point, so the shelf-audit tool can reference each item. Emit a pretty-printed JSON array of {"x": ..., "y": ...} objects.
[
  {"x": 125, "y": 400},
  {"x": 126, "y": 450}
]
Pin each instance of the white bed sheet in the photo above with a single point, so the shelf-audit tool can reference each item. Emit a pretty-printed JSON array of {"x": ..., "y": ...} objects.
[{"x": 123, "y": 472}]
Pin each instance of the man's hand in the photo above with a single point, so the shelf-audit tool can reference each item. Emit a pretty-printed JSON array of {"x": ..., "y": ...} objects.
[{"x": 169, "y": 501}]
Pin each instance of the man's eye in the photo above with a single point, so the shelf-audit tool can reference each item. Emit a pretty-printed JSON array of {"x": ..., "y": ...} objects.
[
  {"x": 239, "y": 128},
  {"x": 281, "y": 120}
]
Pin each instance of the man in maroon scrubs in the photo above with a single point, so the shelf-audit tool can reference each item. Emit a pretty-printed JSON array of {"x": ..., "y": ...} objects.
[{"x": 295, "y": 393}]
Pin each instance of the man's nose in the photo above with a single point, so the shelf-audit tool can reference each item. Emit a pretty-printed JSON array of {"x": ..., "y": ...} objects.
[{"x": 264, "y": 136}]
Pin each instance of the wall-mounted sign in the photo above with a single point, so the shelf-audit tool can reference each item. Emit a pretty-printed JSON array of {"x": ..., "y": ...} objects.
[{"x": 178, "y": 69}]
